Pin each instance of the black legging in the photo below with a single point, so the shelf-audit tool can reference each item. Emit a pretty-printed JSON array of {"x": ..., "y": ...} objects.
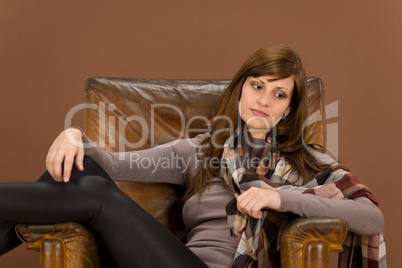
[{"x": 130, "y": 235}]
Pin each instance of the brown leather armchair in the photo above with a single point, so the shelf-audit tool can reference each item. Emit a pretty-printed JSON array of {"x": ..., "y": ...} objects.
[{"x": 113, "y": 121}]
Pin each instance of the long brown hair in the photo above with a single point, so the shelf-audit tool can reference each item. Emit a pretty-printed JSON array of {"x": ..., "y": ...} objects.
[{"x": 278, "y": 61}]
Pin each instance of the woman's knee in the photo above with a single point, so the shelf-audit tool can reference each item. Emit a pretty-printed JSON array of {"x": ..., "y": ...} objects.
[
  {"x": 101, "y": 191},
  {"x": 91, "y": 168},
  {"x": 95, "y": 183}
]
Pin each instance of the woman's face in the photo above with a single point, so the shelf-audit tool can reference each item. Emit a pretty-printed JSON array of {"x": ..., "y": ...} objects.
[{"x": 264, "y": 102}]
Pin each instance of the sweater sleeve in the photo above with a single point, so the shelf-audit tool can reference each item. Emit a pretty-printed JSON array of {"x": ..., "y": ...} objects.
[
  {"x": 362, "y": 216},
  {"x": 174, "y": 162}
]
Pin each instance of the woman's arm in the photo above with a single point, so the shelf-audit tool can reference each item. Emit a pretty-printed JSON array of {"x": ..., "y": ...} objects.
[
  {"x": 174, "y": 162},
  {"x": 362, "y": 216}
]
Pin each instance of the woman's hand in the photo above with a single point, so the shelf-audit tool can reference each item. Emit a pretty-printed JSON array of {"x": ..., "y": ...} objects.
[
  {"x": 67, "y": 146},
  {"x": 254, "y": 200}
]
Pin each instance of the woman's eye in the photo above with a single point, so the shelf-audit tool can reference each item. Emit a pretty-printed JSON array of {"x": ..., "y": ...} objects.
[
  {"x": 280, "y": 95},
  {"x": 256, "y": 86}
]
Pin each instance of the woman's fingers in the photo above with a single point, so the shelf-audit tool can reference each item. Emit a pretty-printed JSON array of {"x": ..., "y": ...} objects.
[
  {"x": 68, "y": 166},
  {"x": 254, "y": 200},
  {"x": 243, "y": 202},
  {"x": 79, "y": 159},
  {"x": 50, "y": 158},
  {"x": 57, "y": 166},
  {"x": 251, "y": 205},
  {"x": 49, "y": 165},
  {"x": 66, "y": 147},
  {"x": 254, "y": 207}
]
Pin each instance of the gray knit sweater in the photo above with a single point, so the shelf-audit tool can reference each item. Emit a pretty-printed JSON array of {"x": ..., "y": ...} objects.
[{"x": 205, "y": 219}]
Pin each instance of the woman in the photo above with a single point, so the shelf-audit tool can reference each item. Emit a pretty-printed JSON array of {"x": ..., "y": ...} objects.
[{"x": 264, "y": 166}]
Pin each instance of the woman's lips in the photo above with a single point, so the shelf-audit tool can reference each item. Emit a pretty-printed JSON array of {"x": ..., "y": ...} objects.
[{"x": 259, "y": 113}]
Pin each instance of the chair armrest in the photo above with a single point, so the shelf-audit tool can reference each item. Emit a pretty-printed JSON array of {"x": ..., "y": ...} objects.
[
  {"x": 61, "y": 245},
  {"x": 307, "y": 242}
]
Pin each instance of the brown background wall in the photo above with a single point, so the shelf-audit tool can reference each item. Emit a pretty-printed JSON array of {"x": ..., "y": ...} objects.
[{"x": 48, "y": 48}]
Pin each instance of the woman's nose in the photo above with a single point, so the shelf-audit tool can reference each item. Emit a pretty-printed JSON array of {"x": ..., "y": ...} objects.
[{"x": 263, "y": 101}]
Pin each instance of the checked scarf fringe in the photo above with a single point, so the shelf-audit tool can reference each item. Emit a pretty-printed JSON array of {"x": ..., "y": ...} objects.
[{"x": 258, "y": 237}]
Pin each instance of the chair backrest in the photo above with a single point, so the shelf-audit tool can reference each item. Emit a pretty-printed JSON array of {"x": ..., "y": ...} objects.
[{"x": 132, "y": 114}]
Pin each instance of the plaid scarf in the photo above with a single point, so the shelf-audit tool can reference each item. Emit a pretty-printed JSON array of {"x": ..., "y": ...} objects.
[{"x": 258, "y": 237}]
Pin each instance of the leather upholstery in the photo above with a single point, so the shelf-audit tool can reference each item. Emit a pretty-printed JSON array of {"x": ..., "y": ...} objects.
[
  {"x": 310, "y": 240},
  {"x": 117, "y": 119},
  {"x": 68, "y": 245},
  {"x": 172, "y": 105}
]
